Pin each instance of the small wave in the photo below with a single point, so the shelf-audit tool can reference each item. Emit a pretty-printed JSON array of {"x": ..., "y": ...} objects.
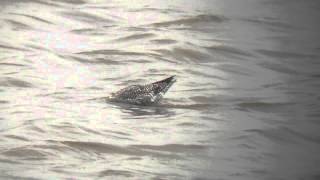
[
  {"x": 24, "y": 152},
  {"x": 32, "y": 17},
  {"x": 9, "y": 161},
  {"x": 89, "y": 131},
  {"x": 42, "y": 2},
  {"x": 271, "y": 134},
  {"x": 102, "y": 148},
  {"x": 196, "y": 106},
  {"x": 164, "y": 41},
  {"x": 165, "y": 10},
  {"x": 112, "y": 172},
  {"x": 118, "y": 133},
  {"x": 13, "y": 82},
  {"x": 273, "y": 23},
  {"x": 189, "y": 124},
  {"x": 285, "y": 54},
  {"x": 4, "y": 102},
  {"x": 204, "y": 75},
  {"x": 11, "y": 64},
  {"x": 246, "y": 146},
  {"x": 131, "y": 150},
  {"x": 234, "y": 69},
  {"x": 12, "y": 48},
  {"x": 191, "y": 53},
  {"x": 139, "y": 61},
  {"x": 263, "y": 106},
  {"x": 111, "y": 52},
  {"x": 185, "y": 55},
  {"x": 99, "y": 6},
  {"x": 135, "y": 37},
  {"x": 92, "y": 61},
  {"x": 202, "y": 99},
  {"x": 173, "y": 147},
  {"x": 83, "y": 30},
  {"x": 85, "y": 17},
  {"x": 191, "y": 20},
  {"x": 271, "y": 85},
  {"x": 37, "y": 47},
  {"x": 228, "y": 50},
  {"x": 91, "y": 31},
  {"x": 18, "y": 25},
  {"x": 72, "y": 2},
  {"x": 278, "y": 67},
  {"x": 118, "y": 78},
  {"x": 16, "y": 137},
  {"x": 284, "y": 135}
]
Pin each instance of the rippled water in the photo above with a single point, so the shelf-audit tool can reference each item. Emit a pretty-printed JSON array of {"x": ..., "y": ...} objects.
[{"x": 245, "y": 106}]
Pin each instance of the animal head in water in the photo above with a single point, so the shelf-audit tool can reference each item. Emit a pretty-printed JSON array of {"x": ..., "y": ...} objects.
[{"x": 144, "y": 94}]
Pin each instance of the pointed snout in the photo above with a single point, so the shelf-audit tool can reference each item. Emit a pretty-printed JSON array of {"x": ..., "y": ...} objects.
[{"x": 168, "y": 80}]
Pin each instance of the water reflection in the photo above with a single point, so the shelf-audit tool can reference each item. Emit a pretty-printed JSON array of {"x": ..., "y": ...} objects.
[{"x": 139, "y": 112}]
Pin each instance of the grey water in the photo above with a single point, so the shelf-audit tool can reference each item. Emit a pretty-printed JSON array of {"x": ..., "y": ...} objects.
[{"x": 246, "y": 104}]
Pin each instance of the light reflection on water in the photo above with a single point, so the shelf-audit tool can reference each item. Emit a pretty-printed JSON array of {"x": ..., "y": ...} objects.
[{"x": 245, "y": 105}]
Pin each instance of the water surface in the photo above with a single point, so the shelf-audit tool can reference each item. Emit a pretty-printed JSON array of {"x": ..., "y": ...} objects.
[{"x": 246, "y": 104}]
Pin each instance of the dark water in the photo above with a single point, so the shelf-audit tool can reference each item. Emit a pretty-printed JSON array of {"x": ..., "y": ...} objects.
[{"x": 246, "y": 104}]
